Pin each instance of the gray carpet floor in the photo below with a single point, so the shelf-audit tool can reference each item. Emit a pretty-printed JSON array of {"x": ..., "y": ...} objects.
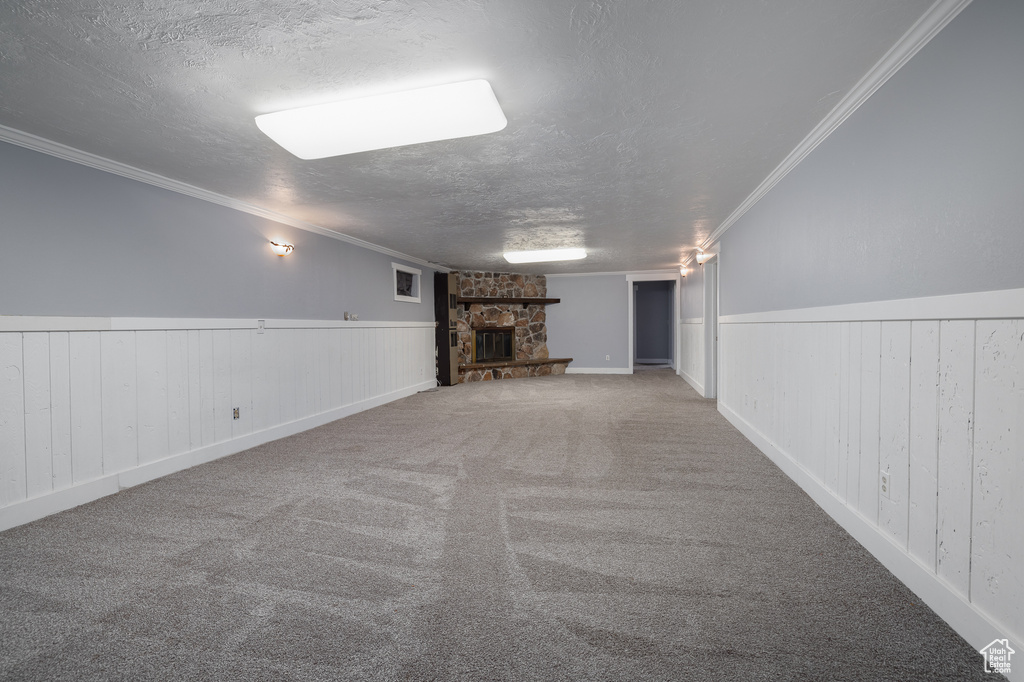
[{"x": 556, "y": 528}]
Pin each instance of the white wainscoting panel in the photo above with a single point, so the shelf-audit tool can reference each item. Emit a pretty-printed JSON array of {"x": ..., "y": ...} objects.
[
  {"x": 997, "y": 537},
  {"x": 938, "y": 406},
  {"x": 85, "y": 413},
  {"x": 691, "y": 355}
]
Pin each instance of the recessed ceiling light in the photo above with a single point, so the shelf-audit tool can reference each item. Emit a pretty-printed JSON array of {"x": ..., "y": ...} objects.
[
  {"x": 544, "y": 256},
  {"x": 441, "y": 112}
]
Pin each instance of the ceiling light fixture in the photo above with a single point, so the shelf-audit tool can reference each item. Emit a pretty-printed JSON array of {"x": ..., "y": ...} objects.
[
  {"x": 544, "y": 256},
  {"x": 701, "y": 256},
  {"x": 281, "y": 248},
  {"x": 442, "y": 112},
  {"x": 682, "y": 270}
]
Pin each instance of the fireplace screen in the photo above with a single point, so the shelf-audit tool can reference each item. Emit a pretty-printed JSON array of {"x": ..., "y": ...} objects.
[{"x": 494, "y": 343}]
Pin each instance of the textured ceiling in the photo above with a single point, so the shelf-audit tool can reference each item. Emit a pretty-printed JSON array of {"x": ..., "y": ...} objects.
[{"x": 635, "y": 127}]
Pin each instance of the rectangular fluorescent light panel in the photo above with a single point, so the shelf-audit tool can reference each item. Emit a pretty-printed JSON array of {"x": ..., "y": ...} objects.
[
  {"x": 441, "y": 112},
  {"x": 544, "y": 256}
]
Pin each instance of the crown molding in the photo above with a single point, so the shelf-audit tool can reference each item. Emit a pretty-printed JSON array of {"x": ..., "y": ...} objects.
[
  {"x": 62, "y": 151},
  {"x": 926, "y": 28}
]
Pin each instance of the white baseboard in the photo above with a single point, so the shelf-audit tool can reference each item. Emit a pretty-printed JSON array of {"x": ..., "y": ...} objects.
[
  {"x": 972, "y": 624},
  {"x": 697, "y": 386},
  {"x": 653, "y": 361},
  {"x": 598, "y": 370},
  {"x": 36, "y": 508}
]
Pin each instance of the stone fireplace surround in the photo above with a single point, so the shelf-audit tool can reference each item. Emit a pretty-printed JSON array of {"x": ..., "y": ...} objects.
[{"x": 529, "y": 322}]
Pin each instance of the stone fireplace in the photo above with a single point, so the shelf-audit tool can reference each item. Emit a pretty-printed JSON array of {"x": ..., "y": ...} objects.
[{"x": 508, "y": 338}]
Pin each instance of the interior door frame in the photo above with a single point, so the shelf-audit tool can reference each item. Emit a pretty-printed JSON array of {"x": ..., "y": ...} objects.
[
  {"x": 711, "y": 373},
  {"x": 669, "y": 276}
]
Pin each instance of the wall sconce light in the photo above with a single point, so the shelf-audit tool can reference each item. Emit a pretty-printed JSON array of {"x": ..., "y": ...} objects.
[
  {"x": 281, "y": 248},
  {"x": 701, "y": 256},
  {"x": 683, "y": 270}
]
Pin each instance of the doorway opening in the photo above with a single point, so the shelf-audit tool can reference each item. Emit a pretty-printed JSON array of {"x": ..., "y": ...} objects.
[{"x": 653, "y": 320}]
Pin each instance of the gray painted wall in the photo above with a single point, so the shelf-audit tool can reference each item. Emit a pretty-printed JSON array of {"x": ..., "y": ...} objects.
[
  {"x": 691, "y": 294},
  {"x": 919, "y": 193},
  {"x": 591, "y": 320},
  {"x": 652, "y": 316},
  {"x": 83, "y": 242}
]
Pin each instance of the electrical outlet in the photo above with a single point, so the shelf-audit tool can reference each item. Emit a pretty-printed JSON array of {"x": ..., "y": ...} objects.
[
  {"x": 235, "y": 413},
  {"x": 607, "y": 357},
  {"x": 885, "y": 484}
]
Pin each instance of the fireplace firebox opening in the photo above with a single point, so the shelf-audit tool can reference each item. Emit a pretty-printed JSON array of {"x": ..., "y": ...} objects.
[{"x": 494, "y": 343}]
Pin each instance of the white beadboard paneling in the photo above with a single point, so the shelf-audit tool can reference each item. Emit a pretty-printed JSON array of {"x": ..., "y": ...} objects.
[
  {"x": 275, "y": 395},
  {"x": 304, "y": 389},
  {"x": 241, "y": 381},
  {"x": 12, "y": 419},
  {"x": 151, "y": 372},
  {"x": 871, "y": 355},
  {"x": 362, "y": 364},
  {"x": 815, "y": 386},
  {"x": 372, "y": 355},
  {"x": 765, "y": 375},
  {"x": 178, "y": 408},
  {"x": 691, "y": 357},
  {"x": 387, "y": 350},
  {"x": 410, "y": 373},
  {"x": 395, "y": 370},
  {"x": 936, "y": 403},
  {"x": 410, "y": 369},
  {"x": 323, "y": 351},
  {"x": 924, "y": 427},
  {"x": 334, "y": 364},
  {"x": 418, "y": 343},
  {"x": 195, "y": 389},
  {"x": 403, "y": 372},
  {"x": 289, "y": 367},
  {"x": 348, "y": 366},
  {"x": 853, "y": 467},
  {"x": 38, "y": 451},
  {"x": 222, "y": 412},
  {"x": 312, "y": 357},
  {"x": 997, "y": 552},
  {"x": 830, "y": 403},
  {"x": 118, "y": 382},
  {"x": 83, "y": 413},
  {"x": 843, "y": 444},
  {"x": 264, "y": 375},
  {"x": 955, "y": 452},
  {"x": 60, "y": 409},
  {"x": 794, "y": 398},
  {"x": 785, "y": 403},
  {"x": 375, "y": 360},
  {"x": 316, "y": 374},
  {"x": 207, "y": 392},
  {"x": 86, "y": 407},
  {"x": 894, "y": 428}
]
